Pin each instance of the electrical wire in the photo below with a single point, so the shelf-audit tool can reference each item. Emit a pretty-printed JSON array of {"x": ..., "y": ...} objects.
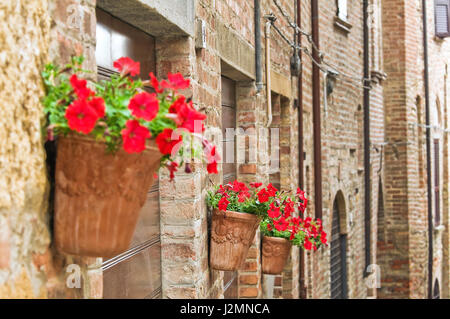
[
  {"x": 322, "y": 65},
  {"x": 321, "y": 54}
]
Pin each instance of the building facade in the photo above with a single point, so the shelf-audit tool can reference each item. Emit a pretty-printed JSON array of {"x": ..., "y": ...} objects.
[{"x": 349, "y": 123}]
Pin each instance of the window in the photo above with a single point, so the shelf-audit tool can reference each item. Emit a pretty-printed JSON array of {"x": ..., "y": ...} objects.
[
  {"x": 341, "y": 18},
  {"x": 135, "y": 273},
  {"x": 230, "y": 278},
  {"x": 437, "y": 197},
  {"x": 342, "y": 10},
  {"x": 442, "y": 18}
]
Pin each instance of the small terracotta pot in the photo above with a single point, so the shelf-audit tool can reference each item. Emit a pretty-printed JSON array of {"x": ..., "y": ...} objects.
[
  {"x": 275, "y": 253},
  {"x": 98, "y": 195},
  {"x": 232, "y": 233}
]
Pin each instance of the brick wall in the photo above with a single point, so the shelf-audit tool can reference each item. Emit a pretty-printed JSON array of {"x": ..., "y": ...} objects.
[{"x": 398, "y": 230}]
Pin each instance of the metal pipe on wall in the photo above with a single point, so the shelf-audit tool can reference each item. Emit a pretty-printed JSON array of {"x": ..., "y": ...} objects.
[
  {"x": 301, "y": 179},
  {"x": 316, "y": 94},
  {"x": 367, "y": 181},
  {"x": 268, "y": 84},
  {"x": 428, "y": 145},
  {"x": 258, "y": 71}
]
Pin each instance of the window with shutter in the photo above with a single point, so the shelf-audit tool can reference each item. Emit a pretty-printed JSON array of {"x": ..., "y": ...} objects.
[{"x": 442, "y": 17}]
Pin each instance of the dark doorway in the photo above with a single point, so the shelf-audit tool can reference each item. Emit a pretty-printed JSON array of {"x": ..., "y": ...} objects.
[
  {"x": 338, "y": 259},
  {"x": 436, "y": 290}
]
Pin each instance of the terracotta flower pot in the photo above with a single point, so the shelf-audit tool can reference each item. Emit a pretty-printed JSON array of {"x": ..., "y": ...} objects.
[
  {"x": 98, "y": 195},
  {"x": 275, "y": 253},
  {"x": 232, "y": 234}
]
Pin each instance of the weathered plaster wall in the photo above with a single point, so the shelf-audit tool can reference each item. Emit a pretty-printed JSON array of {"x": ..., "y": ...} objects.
[
  {"x": 33, "y": 33},
  {"x": 24, "y": 38}
]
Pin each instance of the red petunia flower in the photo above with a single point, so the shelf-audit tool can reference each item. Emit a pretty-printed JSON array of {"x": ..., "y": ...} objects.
[
  {"x": 212, "y": 168},
  {"x": 289, "y": 208},
  {"x": 263, "y": 196},
  {"x": 292, "y": 236},
  {"x": 176, "y": 82},
  {"x": 301, "y": 208},
  {"x": 80, "y": 87},
  {"x": 271, "y": 190},
  {"x": 308, "y": 222},
  {"x": 155, "y": 83},
  {"x": 144, "y": 105},
  {"x": 302, "y": 197},
  {"x": 223, "y": 204},
  {"x": 98, "y": 104},
  {"x": 307, "y": 244},
  {"x": 274, "y": 212},
  {"x": 187, "y": 116},
  {"x": 242, "y": 197},
  {"x": 177, "y": 107},
  {"x": 173, "y": 167},
  {"x": 81, "y": 117},
  {"x": 193, "y": 120},
  {"x": 269, "y": 227},
  {"x": 165, "y": 142},
  {"x": 239, "y": 187},
  {"x": 281, "y": 224},
  {"x": 323, "y": 237},
  {"x": 255, "y": 185},
  {"x": 127, "y": 66},
  {"x": 211, "y": 158},
  {"x": 134, "y": 137},
  {"x": 314, "y": 231}
]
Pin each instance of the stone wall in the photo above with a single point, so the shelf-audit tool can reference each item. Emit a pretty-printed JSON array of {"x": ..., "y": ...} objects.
[{"x": 24, "y": 33}]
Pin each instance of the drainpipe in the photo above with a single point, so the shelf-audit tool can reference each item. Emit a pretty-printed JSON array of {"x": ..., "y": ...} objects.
[
  {"x": 301, "y": 178},
  {"x": 316, "y": 111},
  {"x": 270, "y": 19},
  {"x": 428, "y": 136},
  {"x": 367, "y": 182},
  {"x": 258, "y": 71}
]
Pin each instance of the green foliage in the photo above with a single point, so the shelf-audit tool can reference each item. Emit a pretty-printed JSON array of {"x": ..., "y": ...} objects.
[
  {"x": 250, "y": 205},
  {"x": 272, "y": 233}
]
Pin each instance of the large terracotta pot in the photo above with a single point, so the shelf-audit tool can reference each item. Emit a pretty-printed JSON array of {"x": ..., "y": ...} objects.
[
  {"x": 232, "y": 233},
  {"x": 98, "y": 195},
  {"x": 275, "y": 253}
]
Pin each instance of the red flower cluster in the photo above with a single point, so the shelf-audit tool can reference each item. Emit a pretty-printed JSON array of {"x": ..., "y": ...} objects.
[
  {"x": 281, "y": 219},
  {"x": 161, "y": 114},
  {"x": 185, "y": 117},
  {"x": 82, "y": 114},
  {"x": 235, "y": 193}
]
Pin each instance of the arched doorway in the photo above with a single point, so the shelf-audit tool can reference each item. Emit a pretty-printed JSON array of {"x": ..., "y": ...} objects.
[
  {"x": 436, "y": 290},
  {"x": 338, "y": 251}
]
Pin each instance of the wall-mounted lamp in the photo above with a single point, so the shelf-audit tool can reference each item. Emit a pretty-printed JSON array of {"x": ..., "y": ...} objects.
[
  {"x": 296, "y": 64},
  {"x": 331, "y": 80}
]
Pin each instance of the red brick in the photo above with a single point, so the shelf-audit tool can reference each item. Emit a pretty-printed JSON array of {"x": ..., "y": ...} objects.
[
  {"x": 248, "y": 292},
  {"x": 248, "y": 279}
]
